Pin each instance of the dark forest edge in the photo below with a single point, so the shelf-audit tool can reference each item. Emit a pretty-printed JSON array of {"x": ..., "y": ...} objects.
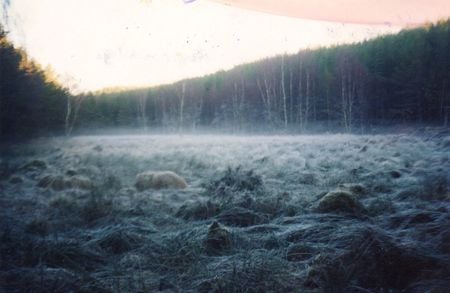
[{"x": 400, "y": 80}]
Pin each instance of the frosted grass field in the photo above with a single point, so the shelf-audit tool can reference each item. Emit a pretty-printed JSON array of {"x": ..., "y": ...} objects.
[{"x": 268, "y": 192}]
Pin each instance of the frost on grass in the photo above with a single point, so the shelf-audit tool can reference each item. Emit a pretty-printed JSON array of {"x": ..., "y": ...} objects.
[{"x": 339, "y": 213}]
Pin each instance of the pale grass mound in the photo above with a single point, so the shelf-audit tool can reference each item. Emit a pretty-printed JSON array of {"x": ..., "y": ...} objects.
[{"x": 159, "y": 180}]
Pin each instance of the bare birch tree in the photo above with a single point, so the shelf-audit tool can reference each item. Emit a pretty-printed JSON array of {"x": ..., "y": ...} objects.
[
  {"x": 303, "y": 100},
  {"x": 283, "y": 92},
  {"x": 237, "y": 104},
  {"x": 348, "y": 92},
  {"x": 265, "y": 90},
  {"x": 181, "y": 110},
  {"x": 142, "y": 109},
  {"x": 73, "y": 105}
]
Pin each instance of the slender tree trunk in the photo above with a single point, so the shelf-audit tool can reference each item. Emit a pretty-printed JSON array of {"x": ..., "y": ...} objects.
[
  {"x": 291, "y": 96},
  {"x": 351, "y": 101},
  {"x": 198, "y": 113},
  {"x": 266, "y": 97},
  {"x": 242, "y": 104},
  {"x": 307, "y": 97},
  {"x": 300, "y": 97},
  {"x": 272, "y": 82},
  {"x": 313, "y": 100},
  {"x": 447, "y": 113},
  {"x": 443, "y": 107},
  {"x": 283, "y": 91},
  {"x": 142, "y": 109},
  {"x": 344, "y": 98},
  {"x": 235, "y": 106},
  {"x": 268, "y": 100},
  {"x": 68, "y": 113},
  {"x": 327, "y": 97},
  {"x": 182, "y": 96},
  {"x": 72, "y": 113},
  {"x": 165, "y": 115},
  {"x": 262, "y": 94},
  {"x": 347, "y": 94}
]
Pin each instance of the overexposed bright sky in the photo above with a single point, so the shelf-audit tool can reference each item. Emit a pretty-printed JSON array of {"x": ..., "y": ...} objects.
[{"x": 93, "y": 44}]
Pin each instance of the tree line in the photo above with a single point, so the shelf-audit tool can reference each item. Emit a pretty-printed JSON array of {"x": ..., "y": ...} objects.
[
  {"x": 32, "y": 103},
  {"x": 393, "y": 79}
]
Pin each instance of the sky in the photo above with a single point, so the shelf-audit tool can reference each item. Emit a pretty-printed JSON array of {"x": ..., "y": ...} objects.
[
  {"x": 398, "y": 12},
  {"x": 96, "y": 44}
]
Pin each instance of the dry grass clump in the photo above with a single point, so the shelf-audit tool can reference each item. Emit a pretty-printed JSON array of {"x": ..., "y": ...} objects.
[
  {"x": 376, "y": 262},
  {"x": 253, "y": 271},
  {"x": 340, "y": 202},
  {"x": 15, "y": 179},
  {"x": 119, "y": 240},
  {"x": 431, "y": 186},
  {"x": 241, "y": 217},
  {"x": 40, "y": 279},
  {"x": 198, "y": 210},
  {"x": 379, "y": 206},
  {"x": 235, "y": 180},
  {"x": 218, "y": 239},
  {"x": 6, "y": 170},
  {"x": 300, "y": 252},
  {"x": 96, "y": 208},
  {"x": 34, "y": 165},
  {"x": 280, "y": 204},
  {"x": 436, "y": 186},
  {"x": 71, "y": 254},
  {"x": 84, "y": 210},
  {"x": 176, "y": 252},
  {"x": 38, "y": 226},
  {"x": 60, "y": 182}
]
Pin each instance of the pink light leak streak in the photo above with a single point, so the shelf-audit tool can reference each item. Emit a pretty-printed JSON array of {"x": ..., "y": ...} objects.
[{"x": 382, "y": 12}]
